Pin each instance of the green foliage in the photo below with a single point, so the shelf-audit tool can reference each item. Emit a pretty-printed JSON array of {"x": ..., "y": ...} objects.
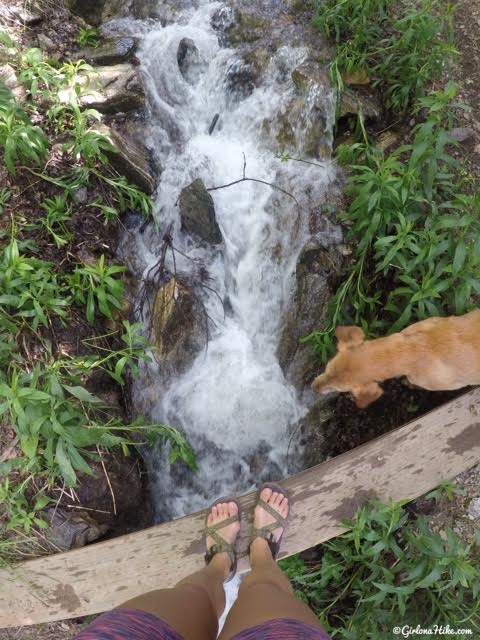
[
  {"x": 86, "y": 144},
  {"x": 417, "y": 232},
  {"x": 19, "y": 510},
  {"x": 20, "y": 140},
  {"x": 44, "y": 393},
  {"x": 5, "y": 195},
  {"x": 387, "y": 570},
  {"x": 58, "y": 217},
  {"x": 97, "y": 288},
  {"x": 29, "y": 288},
  {"x": 129, "y": 196},
  {"x": 402, "y": 53},
  {"x": 88, "y": 37},
  {"x": 44, "y": 79}
]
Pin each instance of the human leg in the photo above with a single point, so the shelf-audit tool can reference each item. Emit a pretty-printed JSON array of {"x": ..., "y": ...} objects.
[
  {"x": 192, "y": 608},
  {"x": 266, "y": 594}
]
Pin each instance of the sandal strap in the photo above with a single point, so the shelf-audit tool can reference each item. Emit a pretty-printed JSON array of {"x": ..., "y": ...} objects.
[
  {"x": 221, "y": 545},
  {"x": 222, "y": 525},
  {"x": 279, "y": 519}
]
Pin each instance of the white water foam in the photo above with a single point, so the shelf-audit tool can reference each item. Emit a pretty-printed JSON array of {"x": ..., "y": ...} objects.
[{"x": 234, "y": 403}]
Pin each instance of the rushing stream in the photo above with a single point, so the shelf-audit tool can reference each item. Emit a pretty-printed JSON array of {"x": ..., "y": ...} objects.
[{"x": 233, "y": 403}]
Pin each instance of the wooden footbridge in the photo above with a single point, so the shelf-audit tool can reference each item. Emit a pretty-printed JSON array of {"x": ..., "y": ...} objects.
[{"x": 403, "y": 464}]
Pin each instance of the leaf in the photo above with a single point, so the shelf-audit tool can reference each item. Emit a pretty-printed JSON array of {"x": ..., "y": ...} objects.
[
  {"x": 459, "y": 258},
  {"x": 82, "y": 394},
  {"x": 29, "y": 445},
  {"x": 65, "y": 466}
]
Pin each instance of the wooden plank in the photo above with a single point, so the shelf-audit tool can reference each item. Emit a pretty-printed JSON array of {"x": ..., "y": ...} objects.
[{"x": 402, "y": 464}]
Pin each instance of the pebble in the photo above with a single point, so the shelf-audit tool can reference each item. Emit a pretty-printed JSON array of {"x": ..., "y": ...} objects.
[
  {"x": 44, "y": 42},
  {"x": 474, "y": 508},
  {"x": 81, "y": 195},
  {"x": 462, "y": 134}
]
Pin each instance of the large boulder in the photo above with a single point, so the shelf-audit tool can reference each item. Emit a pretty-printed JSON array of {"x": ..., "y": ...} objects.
[
  {"x": 188, "y": 58},
  {"x": 130, "y": 159},
  {"x": 178, "y": 327},
  {"x": 304, "y": 125},
  {"x": 111, "y": 51},
  {"x": 352, "y": 103},
  {"x": 115, "y": 88},
  {"x": 97, "y": 11},
  {"x": 319, "y": 262},
  {"x": 197, "y": 213}
]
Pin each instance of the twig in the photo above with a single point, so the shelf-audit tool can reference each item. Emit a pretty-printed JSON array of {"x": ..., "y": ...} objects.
[
  {"x": 76, "y": 506},
  {"x": 108, "y": 481},
  {"x": 268, "y": 184}
]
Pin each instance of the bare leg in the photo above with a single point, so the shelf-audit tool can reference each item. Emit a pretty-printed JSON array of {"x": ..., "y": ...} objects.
[
  {"x": 266, "y": 594},
  {"x": 195, "y": 604}
]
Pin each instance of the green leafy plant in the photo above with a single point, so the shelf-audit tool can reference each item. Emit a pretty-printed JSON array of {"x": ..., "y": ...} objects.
[
  {"x": 418, "y": 247},
  {"x": 88, "y": 37},
  {"x": 29, "y": 288},
  {"x": 97, "y": 287},
  {"x": 20, "y": 140},
  {"x": 388, "y": 568},
  {"x": 129, "y": 196},
  {"x": 57, "y": 219},
  {"x": 57, "y": 421},
  {"x": 21, "y": 514},
  {"x": 400, "y": 53},
  {"x": 5, "y": 195}
]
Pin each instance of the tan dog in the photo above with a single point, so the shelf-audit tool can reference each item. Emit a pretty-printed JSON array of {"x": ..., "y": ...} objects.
[{"x": 436, "y": 354}]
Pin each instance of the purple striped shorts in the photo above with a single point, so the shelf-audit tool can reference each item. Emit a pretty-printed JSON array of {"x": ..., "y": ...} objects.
[{"x": 130, "y": 624}]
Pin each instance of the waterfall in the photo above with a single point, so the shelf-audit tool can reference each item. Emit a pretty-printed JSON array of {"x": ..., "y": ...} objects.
[{"x": 233, "y": 403}]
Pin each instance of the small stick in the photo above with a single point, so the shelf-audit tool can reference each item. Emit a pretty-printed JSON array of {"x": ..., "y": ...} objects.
[
  {"x": 108, "y": 481},
  {"x": 76, "y": 506}
]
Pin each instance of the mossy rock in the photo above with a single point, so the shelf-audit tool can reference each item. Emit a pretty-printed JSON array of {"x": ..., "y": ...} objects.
[{"x": 248, "y": 28}]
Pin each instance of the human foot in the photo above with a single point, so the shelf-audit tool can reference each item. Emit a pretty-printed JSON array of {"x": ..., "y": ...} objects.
[
  {"x": 269, "y": 521},
  {"x": 224, "y": 517}
]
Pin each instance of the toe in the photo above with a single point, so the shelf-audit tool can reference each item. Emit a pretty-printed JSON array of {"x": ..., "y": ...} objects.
[
  {"x": 266, "y": 494},
  {"x": 232, "y": 509}
]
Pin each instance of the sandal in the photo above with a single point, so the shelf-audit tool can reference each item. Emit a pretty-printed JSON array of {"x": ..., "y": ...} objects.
[
  {"x": 267, "y": 532},
  {"x": 221, "y": 545}
]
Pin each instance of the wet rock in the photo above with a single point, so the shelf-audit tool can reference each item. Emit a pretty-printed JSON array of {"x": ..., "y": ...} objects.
[
  {"x": 223, "y": 19},
  {"x": 178, "y": 328},
  {"x": 352, "y": 103},
  {"x": 110, "y": 52},
  {"x": 116, "y": 88},
  {"x": 319, "y": 262},
  {"x": 46, "y": 43},
  {"x": 248, "y": 28},
  {"x": 262, "y": 468},
  {"x": 312, "y": 424},
  {"x": 240, "y": 79},
  {"x": 130, "y": 160},
  {"x": 463, "y": 134},
  {"x": 69, "y": 530},
  {"x": 305, "y": 126},
  {"x": 188, "y": 58},
  {"x": 197, "y": 213}
]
